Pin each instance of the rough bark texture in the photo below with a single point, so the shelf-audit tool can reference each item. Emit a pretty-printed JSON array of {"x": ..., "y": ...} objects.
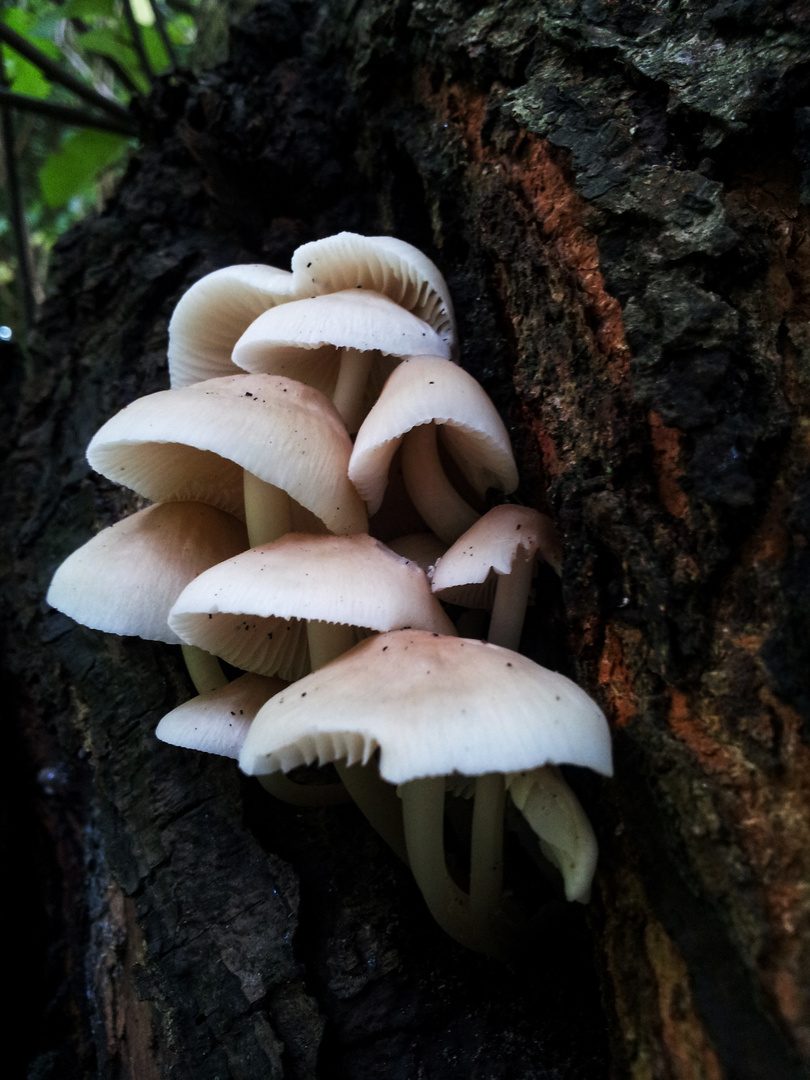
[{"x": 616, "y": 193}]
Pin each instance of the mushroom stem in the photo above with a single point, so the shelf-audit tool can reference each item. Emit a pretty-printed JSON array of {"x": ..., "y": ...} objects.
[
  {"x": 327, "y": 641},
  {"x": 203, "y": 668},
  {"x": 423, "y": 816},
  {"x": 440, "y": 505},
  {"x": 511, "y": 600},
  {"x": 347, "y": 398},
  {"x": 486, "y": 857},
  {"x": 267, "y": 510},
  {"x": 290, "y": 791}
]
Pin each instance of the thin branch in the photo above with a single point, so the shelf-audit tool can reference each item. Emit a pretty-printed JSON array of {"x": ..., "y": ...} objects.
[
  {"x": 68, "y": 114},
  {"x": 160, "y": 23},
  {"x": 56, "y": 74},
  {"x": 137, "y": 41},
  {"x": 16, "y": 210}
]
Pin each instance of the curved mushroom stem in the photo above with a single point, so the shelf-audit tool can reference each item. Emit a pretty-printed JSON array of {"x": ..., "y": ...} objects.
[
  {"x": 204, "y": 669},
  {"x": 289, "y": 791},
  {"x": 423, "y": 816},
  {"x": 440, "y": 505},
  {"x": 351, "y": 384},
  {"x": 267, "y": 510}
]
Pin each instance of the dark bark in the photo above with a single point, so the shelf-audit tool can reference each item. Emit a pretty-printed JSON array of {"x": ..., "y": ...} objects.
[{"x": 616, "y": 194}]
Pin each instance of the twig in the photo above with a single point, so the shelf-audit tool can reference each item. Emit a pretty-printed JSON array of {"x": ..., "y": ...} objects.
[
  {"x": 68, "y": 114},
  {"x": 160, "y": 23},
  {"x": 16, "y": 211},
  {"x": 137, "y": 41},
  {"x": 56, "y": 74}
]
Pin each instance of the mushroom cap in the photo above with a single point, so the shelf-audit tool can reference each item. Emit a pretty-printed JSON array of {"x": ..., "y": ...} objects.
[
  {"x": 351, "y": 319},
  {"x": 218, "y": 722},
  {"x": 424, "y": 390},
  {"x": 248, "y": 609},
  {"x": 433, "y": 705},
  {"x": 382, "y": 264},
  {"x": 466, "y": 573},
  {"x": 194, "y": 442},
  {"x": 126, "y": 579},
  {"x": 211, "y": 316}
]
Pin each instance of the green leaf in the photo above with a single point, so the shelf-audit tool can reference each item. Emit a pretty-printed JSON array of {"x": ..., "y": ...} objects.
[
  {"x": 87, "y": 9},
  {"x": 74, "y": 170},
  {"x": 155, "y": 49},
  {"x": 26, "y": 23},
  {"x": 108, "y": 43}
]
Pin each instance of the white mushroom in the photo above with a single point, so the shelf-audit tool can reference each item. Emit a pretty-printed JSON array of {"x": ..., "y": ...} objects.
[
  {"x": 426, "y": 397},
  {"x": 335, "y": 342},
  {"x": 246, "y": 443},
  {"x": 126, "y": 579},
  {"x": 211, "y": 316},
  {"x": 432, "y": 705}
]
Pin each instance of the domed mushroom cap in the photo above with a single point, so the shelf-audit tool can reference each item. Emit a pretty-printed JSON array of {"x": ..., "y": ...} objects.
[
  {"x": 211, "y": 316},
  {"x": 249, "y": 609},
  {"x": 382, "y": 264},
  {"x": 433, "y": 705},
  {"x": 352, "y": 319},
  {"x": 194, "y": 442},
  {"x": 126, "y": 579},
  {"x": 218, "y": 722},
  {"x": 424, "y": 390},
  {"x": 467, "y": 572}
]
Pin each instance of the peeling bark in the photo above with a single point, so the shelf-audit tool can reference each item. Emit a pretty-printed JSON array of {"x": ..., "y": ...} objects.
[{"x": 617, "y": 195}]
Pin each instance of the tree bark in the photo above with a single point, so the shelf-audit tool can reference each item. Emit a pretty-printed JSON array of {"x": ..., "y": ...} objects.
[{"x": 617, "y": 196}]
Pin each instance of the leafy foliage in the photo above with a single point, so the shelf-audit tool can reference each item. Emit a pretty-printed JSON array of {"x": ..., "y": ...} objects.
[{"x": 116, "y": 48}]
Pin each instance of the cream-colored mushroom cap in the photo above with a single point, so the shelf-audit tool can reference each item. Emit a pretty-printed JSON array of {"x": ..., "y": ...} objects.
[
  {"x": 249, "y": 609},
  {"x": 467, "y": 573},
  {"x": 352, "y": 318},
  {"x": 382, "y": 264},
  {"x": 211, "y": 316},
  {"x": 425, "y": 390},
  {"x": 194, "y": 442},
  {"x": 432, "y": 705},
  {"x": 125, "y": 580},
  {"x": 218, "y": 722}
]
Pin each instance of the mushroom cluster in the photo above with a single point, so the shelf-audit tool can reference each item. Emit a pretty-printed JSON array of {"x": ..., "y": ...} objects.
[{"x": 323, "y": 475}]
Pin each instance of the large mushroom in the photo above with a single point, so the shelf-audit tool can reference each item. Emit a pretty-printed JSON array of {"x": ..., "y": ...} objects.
[
  {"x": 259, "y": 446},
  {"x": 433, "y": 706}
]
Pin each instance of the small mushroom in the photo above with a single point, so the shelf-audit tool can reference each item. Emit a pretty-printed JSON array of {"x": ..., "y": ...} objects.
[
  {"x": 433, "y": 706},
  {"x": 217, "y": 723},
  {"x": 425, "y": 399},
  {"x": 246, "y": 443},
  {"x": 491, "y": 566}
]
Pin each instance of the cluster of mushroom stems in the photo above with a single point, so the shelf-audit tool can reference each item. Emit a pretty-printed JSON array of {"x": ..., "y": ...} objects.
[{"x": 319, "y": 474}]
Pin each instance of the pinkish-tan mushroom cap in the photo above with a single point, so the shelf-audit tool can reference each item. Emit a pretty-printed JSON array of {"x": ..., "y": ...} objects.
[
  {"x": 212, "y": 315},
  {"x": 432, "y": 705},
  {"x": 126, "y": 579},
  {"x": 426, "y": 391},
  {"x": 351, "y": 319},
  {"x": 467, "y": 572},
  {"x": 381, "y": 264},
  {"x": 250, "y": 609},
  {"x": 195, "y": 442}
]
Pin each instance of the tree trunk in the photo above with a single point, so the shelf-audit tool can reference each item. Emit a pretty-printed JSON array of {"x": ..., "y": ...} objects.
[{"x": 616, "y": 194}]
